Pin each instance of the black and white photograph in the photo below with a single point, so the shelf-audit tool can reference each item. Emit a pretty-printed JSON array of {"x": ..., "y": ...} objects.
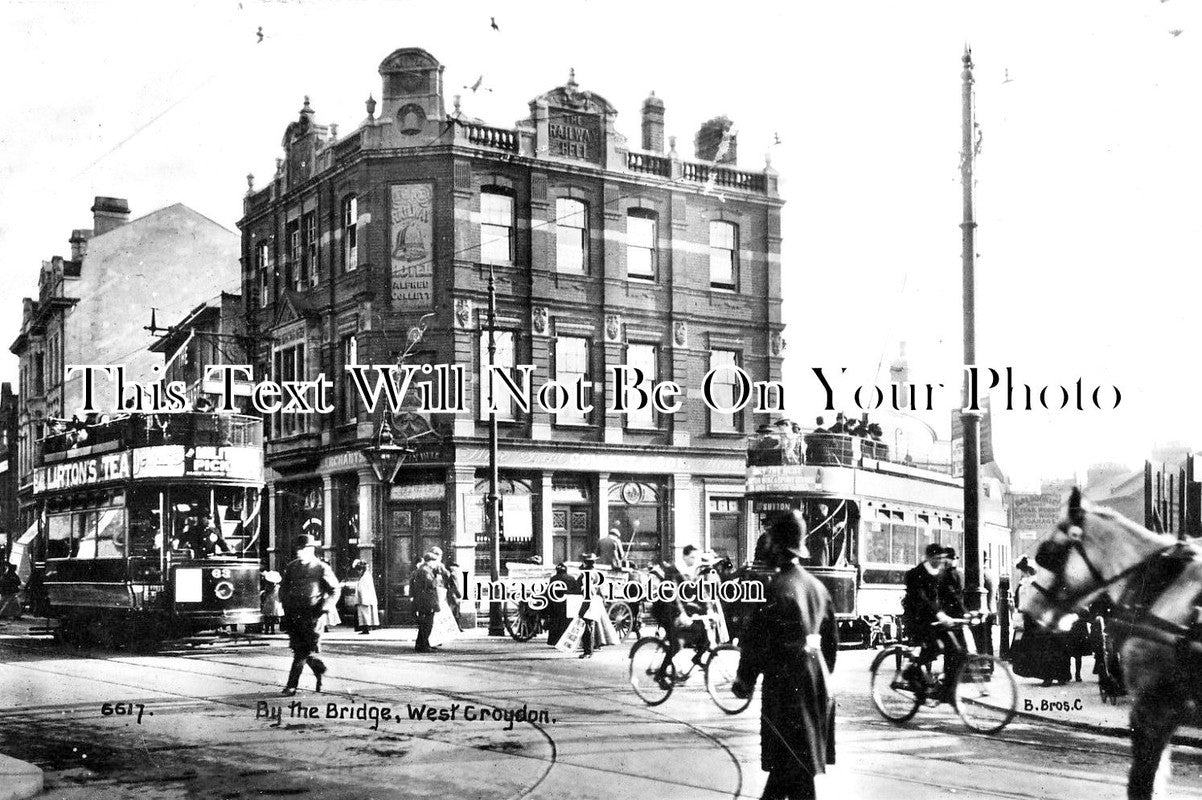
[{"x": 581, "y": 399}]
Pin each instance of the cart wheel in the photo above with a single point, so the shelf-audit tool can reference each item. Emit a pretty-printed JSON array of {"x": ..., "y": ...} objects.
[
  {"x": 622, "y": 618},
  {"x": 520, "y": 620}
]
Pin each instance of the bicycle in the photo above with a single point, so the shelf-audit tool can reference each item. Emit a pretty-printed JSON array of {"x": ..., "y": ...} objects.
[
  {"x": 653, "y": 675},
  {"x": 983, "y": 691}
]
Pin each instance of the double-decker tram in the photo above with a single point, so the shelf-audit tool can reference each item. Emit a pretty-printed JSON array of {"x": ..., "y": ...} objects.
[
  {"x": 149, "y": 527},
  {"x": 869, "y": 519}
]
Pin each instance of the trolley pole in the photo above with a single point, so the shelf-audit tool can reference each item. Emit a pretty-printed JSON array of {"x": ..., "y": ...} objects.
[
  {"x": 971, "y": 420},
  {"x": 496, "y": 625}
]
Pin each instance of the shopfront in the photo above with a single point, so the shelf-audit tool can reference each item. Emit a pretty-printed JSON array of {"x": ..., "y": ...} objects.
[{"x": 637, "y": 509}]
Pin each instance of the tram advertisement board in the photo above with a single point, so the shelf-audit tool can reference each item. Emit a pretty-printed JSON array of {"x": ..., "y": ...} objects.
[
  {"x": 796, "y": 478},
  {"x": 176, "y": 461},
  {"x": 81, "y": 472}
]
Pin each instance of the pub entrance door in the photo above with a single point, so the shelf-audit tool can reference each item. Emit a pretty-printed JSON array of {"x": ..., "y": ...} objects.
[{"x": 414, "y": 528}]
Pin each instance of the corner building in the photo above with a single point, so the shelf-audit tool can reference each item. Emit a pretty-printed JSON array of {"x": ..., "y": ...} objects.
[{"x": 603, "y": 254}]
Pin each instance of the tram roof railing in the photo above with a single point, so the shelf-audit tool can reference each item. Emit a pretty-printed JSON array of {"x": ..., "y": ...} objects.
[
  {"x": 190, "y": 428},
  {"x": 827, "y": 450}
]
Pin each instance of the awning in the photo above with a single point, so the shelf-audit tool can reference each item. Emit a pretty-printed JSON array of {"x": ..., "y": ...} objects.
[{"x": 19, "y": 554}]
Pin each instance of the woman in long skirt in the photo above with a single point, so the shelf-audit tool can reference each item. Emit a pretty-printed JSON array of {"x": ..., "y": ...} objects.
[{"x": 367, "y": 611}]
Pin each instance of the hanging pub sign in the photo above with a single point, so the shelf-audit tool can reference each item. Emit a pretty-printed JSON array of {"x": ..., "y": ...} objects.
[{"x": 411, "y": 237}]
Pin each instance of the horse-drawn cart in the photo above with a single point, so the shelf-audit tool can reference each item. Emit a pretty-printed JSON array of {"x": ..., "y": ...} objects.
[{"x": 523, "y": 623}]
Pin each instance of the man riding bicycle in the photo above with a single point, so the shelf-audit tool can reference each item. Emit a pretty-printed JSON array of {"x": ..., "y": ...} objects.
[
  {"x": 931, "y": 604},
  {"x": 684, "y": 618}
]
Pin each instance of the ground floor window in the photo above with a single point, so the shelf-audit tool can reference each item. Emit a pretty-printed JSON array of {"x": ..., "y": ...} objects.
[
  {"x": 726, "y": 528},
  {"x": 636, "y": 510}
]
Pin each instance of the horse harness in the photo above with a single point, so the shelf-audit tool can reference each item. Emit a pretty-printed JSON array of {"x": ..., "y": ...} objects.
[{"x": 1150, "y": 578}]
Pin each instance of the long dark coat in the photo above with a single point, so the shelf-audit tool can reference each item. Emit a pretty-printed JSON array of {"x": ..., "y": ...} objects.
[{"x": 797, "y": 717}]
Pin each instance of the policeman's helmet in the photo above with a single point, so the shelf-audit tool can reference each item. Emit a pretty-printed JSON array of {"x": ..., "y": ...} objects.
[{"x": 788, "y": 533}]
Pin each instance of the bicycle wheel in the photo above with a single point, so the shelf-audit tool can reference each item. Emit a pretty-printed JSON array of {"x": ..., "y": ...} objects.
[
  {"x": 520, "y": 620},
  {"x": 720, "y": 672},
  {"x": 652, "y": 673},
  {"x": 986, "y": 693},
  {"x": 896, "y": 692}
]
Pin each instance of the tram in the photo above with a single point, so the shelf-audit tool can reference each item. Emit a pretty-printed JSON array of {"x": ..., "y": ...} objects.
[
  {"x": 148, "y": 527},
  {"x": 869, "y": 518}
]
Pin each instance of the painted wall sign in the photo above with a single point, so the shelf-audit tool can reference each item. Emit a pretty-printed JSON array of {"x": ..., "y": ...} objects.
[
  {"x": 411, "y": 236},
  {"x": 572, "y": 134}
]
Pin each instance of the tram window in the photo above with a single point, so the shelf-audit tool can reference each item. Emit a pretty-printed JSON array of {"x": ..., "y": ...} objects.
[
  {"x": 905, "y": 544},
  {"x": 878, "y": 543},
  {"x": 85, "y": 534},
  {"x": 145, "y": 536},
  {"x": 58, "y": 539},
  {"x": 110, "y": 533}
]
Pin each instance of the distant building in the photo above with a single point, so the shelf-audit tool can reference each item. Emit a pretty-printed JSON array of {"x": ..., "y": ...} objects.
[
  {"x": 92, "y": 309},
  {"x": 9, "y": 521},
  {"x": 212, "y": 334}
]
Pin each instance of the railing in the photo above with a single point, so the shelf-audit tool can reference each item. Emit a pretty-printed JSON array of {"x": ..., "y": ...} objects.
[
  {"x": 649, "y": 164},
  {"x": 484, "y": 136},
  {"x": 147, "y": 430},
  {"x": 826, "y": 450}
]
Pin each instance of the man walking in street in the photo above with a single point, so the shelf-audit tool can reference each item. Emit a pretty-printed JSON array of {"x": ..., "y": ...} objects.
[
  {"x": 792, "y": 642},
  {"x": 423, "y": 588},
  {"x": 306, "y": 590}
]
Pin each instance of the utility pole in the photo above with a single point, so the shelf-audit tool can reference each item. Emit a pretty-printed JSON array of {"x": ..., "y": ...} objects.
[
  {"x": 496, "y": 625},
  {"x": 971, "y": 420}
]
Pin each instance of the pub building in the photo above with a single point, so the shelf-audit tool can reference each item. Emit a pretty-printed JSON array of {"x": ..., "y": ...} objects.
[{"x": 375, "y": 246}]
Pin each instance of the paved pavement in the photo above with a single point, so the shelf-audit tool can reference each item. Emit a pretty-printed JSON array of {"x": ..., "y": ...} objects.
[{"x": 211, "y": 723}]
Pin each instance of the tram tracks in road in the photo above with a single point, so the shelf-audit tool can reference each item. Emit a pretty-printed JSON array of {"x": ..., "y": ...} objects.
[{"x": 490, "y": 699}]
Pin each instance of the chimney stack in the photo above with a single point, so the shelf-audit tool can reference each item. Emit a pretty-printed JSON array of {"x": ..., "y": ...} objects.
[
  {"x": 109, "y": 213},
  {"x": 79, "y": 243},
  {"x": 653, "y": 124},
  {"x": 708, "y": 142}
]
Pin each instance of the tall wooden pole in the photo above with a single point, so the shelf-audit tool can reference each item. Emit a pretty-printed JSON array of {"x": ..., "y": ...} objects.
[{"x": 971, "y": 419}]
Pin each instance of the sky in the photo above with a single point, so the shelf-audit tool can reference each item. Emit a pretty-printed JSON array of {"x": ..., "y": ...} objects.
[{"x": 1089, "y": 225}]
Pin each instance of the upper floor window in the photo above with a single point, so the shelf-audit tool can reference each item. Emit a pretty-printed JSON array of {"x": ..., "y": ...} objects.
[
  {"x": 290, "y": 366},
  {"x": 640, "y": 244},
  {"x": 571, "y": 366},
  {"x": 350, "y": 233},
  {"x": 350, "y": 355},
  {"x": 646, "y": 358},
  {"x": 309, "y": 254},
  {"x": 571, "y": 236},
  {"x": 496, "y": 227},
  {"x": 723, "y": 388},
  {"x": 39, "y": 374},
  {"x": 292, "y": 268},
  {"x": 492, "y": 384},
  {"x": 723, "y": 255},
  {"x": 263, "y": 273}
]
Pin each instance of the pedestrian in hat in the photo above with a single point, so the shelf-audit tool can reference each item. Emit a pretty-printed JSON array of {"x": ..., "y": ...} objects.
[
  {"x": 791, "y": 641},
  {"x": 269, "y": 600},
  {"x": 561, "y": 585},
  {"x": 367, "y": 611},
  {"x": 307, "y": 589},
  {"x": 610, "y": 550}
]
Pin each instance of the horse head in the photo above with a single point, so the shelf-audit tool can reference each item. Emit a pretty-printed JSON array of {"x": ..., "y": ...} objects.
[{"x": 1091, "y": 551}]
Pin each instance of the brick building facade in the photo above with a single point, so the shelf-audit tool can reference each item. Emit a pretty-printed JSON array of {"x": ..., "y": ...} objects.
[{"x": 603, "y": 254}]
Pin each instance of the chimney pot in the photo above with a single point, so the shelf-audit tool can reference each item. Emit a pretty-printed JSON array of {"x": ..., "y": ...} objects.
[
  {"x": 653, "y": 124},
  {"x": 109, "y": 213}
]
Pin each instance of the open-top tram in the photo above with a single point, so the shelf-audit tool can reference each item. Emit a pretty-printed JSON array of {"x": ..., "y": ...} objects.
[
  {"x": 869, "y": 519},
  {"x": 149, "y": 527}
]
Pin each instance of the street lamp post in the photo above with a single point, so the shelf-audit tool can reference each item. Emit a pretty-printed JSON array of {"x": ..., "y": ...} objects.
[
  {"x": 971, "y": 420},
  {"x": 496, "y": 625}
]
